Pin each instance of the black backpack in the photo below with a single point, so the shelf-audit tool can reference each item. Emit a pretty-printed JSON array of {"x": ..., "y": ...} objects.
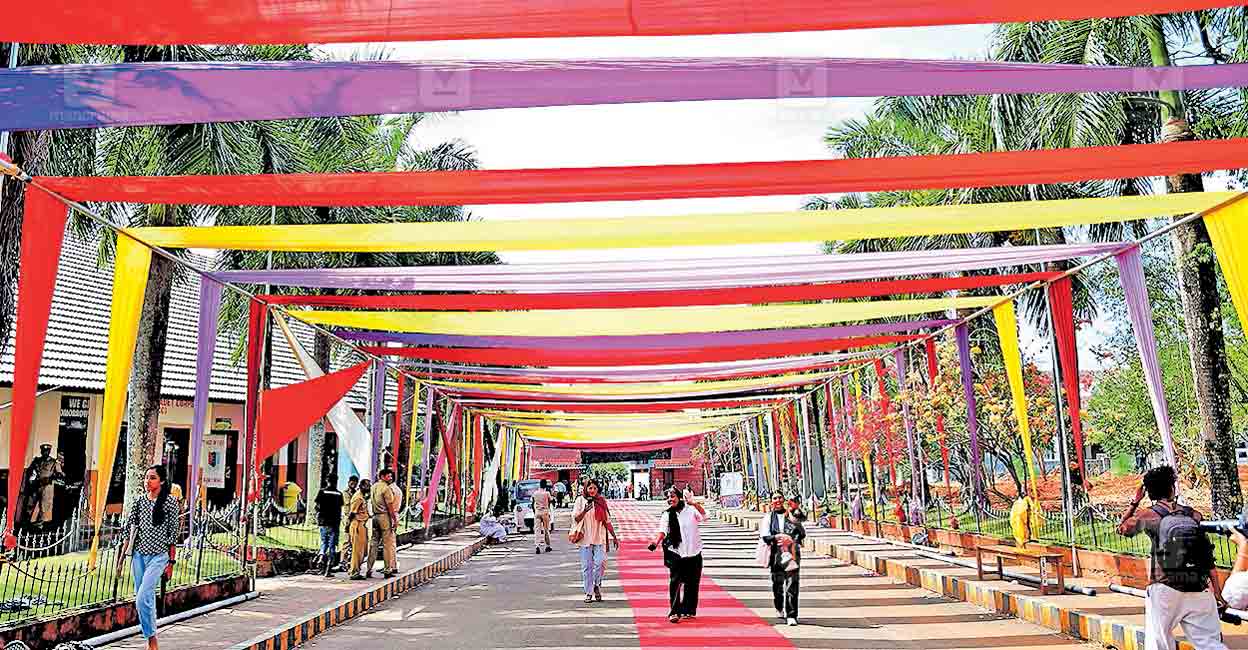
[{"x": 1182, "y": 550}]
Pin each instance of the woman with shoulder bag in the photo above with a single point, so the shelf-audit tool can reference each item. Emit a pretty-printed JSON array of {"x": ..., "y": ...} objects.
[
  {"x": 152, "y": 527},
  {"x": 783, "y": 533},
  {"x": 593, "y": 532}
]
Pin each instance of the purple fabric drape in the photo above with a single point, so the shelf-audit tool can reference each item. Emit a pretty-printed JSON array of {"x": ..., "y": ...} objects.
[
  {"x": 209, "y": 313},
  {"x": 667, "y": 274},
  {"x": 587, "y": 397},
  {"x": 963, "y": 336},
  {"x": 912, "y": 448},
  {"x": 377, "y": 415},
  {"x": 646, "y": 341},
  {"x": 1131, "y": 275},
  {"x": 430, "y": 402},
  {"x": 72, "y": 96}
]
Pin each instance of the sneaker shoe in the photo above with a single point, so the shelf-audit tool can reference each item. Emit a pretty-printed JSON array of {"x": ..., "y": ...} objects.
[
  {"x": 780, "y": 615},
  {"x": 356, "y": 576},
  {"x": 597, "y": 594},
  {"x": 589, "y": 598},
  {"x": 537, "y": 550},
  {"x": 549, "y": 549},
  {"x": 673, "y": 618},
  {"x": 792, "y": 622}
]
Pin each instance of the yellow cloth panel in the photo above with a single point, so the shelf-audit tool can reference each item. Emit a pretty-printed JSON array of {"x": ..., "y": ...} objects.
[
  {"x": 132, "y": 261},
  {"x": 1026, "y": 520},
  {"x": 709, "y": 423},
  {"x": 660, "y": 388},
  {"x": 1007, "y": 331},
  {"x": 411, "y": 443},
  {"x": 1228, "y": 228},
  {"x": 685, "y": 230},
  {"x": 624, "y": 322}
]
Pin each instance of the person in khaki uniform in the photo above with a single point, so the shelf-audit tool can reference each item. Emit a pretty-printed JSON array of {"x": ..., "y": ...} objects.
[
  {"x": 357, "y": 515},
  {"x": 385, "y": 524}
]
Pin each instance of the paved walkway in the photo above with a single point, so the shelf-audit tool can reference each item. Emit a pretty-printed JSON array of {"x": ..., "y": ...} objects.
[
  {"x": 509, "y": 597},
  {"x": 286, "y": 600}
]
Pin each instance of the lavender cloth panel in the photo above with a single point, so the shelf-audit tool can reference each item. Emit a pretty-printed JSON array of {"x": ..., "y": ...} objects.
[
  {"x": 209, "y": 313},
  {"x": 743, "y": 272},
  {"x": 69, "y": 96},
  {"x": 616, "y": 372},
  {"x": 376, "y": 415},
  {"x": 963, "y": 336},
  {"x": 1140, "y": 310},
  {"x": 430, "y": 402},
  {"x": 916, "y": 473},
  {"x": 643, "y": 341}
]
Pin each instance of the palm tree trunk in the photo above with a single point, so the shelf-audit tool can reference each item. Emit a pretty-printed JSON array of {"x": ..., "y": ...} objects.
[
  {"x": 1202, "y": 313},
  {"x": 149, "y": 364},
  {"x": 318, "y": 464}
]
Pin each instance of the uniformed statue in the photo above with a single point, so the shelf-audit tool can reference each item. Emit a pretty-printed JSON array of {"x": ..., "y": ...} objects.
[{"x": 40, "y": 488}]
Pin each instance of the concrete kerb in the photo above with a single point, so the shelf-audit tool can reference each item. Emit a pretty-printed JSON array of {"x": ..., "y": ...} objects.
[
  {"x": 1070, "y": 621},
  {"x": 296, "y": 632}
]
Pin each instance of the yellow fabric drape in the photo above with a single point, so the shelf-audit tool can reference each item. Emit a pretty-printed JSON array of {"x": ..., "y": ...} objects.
[
  {"x": 623, "y": 322},
  {"x": 685, "y": 230},
  {"x": 1007, "y": 331},
  {"x": 657, "y": 388},
  {"x": 131, "y": 264},
  {"x": 1228, "y": 228},
  {"x": 866, "y": 464}
]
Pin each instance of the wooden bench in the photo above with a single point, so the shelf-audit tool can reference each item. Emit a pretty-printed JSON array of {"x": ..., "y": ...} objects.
[{"x": 1043, "y": 558}]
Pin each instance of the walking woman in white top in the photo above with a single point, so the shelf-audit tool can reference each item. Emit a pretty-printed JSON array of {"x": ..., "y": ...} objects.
[
  {"x": 681, "y": 539},
  {"x": 593, "y": 532}
]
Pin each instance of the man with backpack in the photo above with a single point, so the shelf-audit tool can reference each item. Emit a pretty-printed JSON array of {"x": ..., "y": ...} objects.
[{"x": 1180, "y": 567}]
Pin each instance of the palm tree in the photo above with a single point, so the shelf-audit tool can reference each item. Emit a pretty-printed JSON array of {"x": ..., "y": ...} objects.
[
  {"x": 348, "y": 144},
  {"x": 62, "y": 152},
  {"x": 1168, "y": 116}
]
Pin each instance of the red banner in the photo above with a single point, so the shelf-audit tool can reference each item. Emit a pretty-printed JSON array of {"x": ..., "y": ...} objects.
[
  {"x": 336, "y": 21},
  {"x": 289, "y": 411},
  {"x": 43, "y": 230},
  {"x": 1063, "y": 317},
  {"x": 636, "y": 183}
]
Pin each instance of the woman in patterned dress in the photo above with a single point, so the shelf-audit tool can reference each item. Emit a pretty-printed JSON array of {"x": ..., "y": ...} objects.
[{"x": 151, "y": 534}]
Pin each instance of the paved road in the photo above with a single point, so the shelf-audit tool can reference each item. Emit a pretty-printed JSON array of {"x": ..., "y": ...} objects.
[{"x": 508, "y": 597}]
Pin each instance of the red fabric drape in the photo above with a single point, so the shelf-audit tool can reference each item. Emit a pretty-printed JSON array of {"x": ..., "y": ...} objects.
[
  {"x": 398, "y": 423},
  {"x": 1063, "y": 317},
  {"x": 478, "y": 455},
  {"x": 287, "y": 412},
  {"x": 257, "y": 328},
  {"x": 638, "y": 357},
  {"x": 933, "y": 370},
  {"x": 659, "y": 298},
  {"x": 897, "y": 173},
  {"x": 335, "y": 21},
  {"x": 796, "y": 447},
  {"x": 886, "y": 407},
  {"x": 43, "y": 229},
  {"x": 448, "y": 443}
]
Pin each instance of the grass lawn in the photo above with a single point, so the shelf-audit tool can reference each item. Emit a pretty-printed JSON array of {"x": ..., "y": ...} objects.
[{"x": 67, "y": 584}]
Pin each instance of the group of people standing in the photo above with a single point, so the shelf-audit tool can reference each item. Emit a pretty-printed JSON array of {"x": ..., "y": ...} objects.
[{"x": 366, "y": 507}]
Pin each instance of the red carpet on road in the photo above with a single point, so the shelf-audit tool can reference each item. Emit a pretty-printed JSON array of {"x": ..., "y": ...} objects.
[{"x": 722, "y": 619}]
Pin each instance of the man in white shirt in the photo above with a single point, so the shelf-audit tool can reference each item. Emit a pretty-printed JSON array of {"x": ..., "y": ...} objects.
[{"x": 681, "y": 539}]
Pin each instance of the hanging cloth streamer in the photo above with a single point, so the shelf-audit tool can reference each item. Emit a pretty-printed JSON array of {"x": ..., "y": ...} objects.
[
  {"x": 1228, "y": 229},
  {"x": 329, "y": 21},
  {"x": 655, "y": 320},
  {"x": 933, "y": 371},
  {"x": 963, "y": 337},
  {"x": 647, "y": 182},
  {"x": 289, "y": 411},
  {"x": 131, "y": 261},
  {"x": 43, "y": 231},
  {"x": 209, "y": 315},
  {"x": 1007, "y": 331},
  {"x": 93, "y": 96},
  {"x": 1061, "y": 304},
  {"x": 1140, "y": 311}
]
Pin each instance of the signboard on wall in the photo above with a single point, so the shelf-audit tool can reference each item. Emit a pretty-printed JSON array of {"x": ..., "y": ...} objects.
[{"x": 214, "y": 460}]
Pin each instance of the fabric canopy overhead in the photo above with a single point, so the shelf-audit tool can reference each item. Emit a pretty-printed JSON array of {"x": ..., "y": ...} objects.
[
  {"x": 597, "y": 445},
  {"x": 332, "y": 21},
  {"x": 644, "y": 182},
  {"x": 622, "y": 407},
  {"x": 649, "y": 388},
  {"x": 136, "y": 94},
  {"x": 649, "y": 320},
  {"x": 643, "y": 341},
  {"x": 539, "y": 378},
  {"x": 553, "y": 286},
  {"x": 583, "y": 358},
  {"x": 726, "y": 229}
]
